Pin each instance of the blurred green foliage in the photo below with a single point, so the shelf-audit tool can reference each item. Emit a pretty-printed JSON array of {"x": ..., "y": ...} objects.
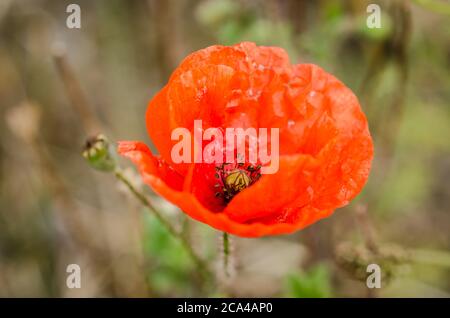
[
  {"x": 234, "y": 22},
  {"x": 170, "y": 266},
  {"x": 315, "y": 283}
]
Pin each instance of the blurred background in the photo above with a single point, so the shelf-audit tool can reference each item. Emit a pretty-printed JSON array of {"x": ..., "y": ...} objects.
[{"x": 60, "y": 85}]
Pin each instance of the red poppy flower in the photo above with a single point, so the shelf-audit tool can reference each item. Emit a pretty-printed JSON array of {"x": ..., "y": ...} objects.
[{"x": 325, "y": 148}]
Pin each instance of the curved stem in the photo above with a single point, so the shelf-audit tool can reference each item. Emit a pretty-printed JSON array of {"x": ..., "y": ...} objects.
[{"x": 143, "y": 199}]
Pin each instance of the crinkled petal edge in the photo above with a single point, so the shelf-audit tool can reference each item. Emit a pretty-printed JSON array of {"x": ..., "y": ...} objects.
[{"x": 142, "y": 157}]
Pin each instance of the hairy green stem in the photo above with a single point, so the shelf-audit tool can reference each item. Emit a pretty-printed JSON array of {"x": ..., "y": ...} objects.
[{"x": 226, "y": 253}]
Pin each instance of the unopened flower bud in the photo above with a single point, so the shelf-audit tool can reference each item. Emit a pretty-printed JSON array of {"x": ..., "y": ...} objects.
[{"x": 99, "y": 153}]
